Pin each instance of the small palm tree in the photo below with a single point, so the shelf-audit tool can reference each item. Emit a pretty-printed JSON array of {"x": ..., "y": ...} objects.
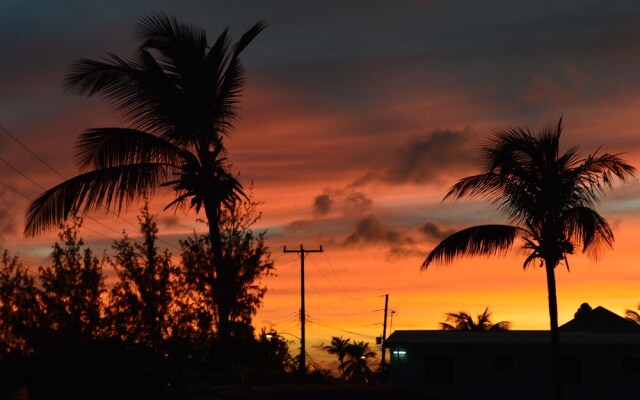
[
  {"x": 356, "y": 367},
  {"x": 547, "y": 197},
  {"x": 633, "y": 316},
  {"x": 463, "y": 321},
  {"x": 338, "y": 347},
  {"x": 180, "y": 96}
]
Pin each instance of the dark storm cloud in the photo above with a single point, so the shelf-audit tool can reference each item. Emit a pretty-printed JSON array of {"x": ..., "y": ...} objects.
[
  {"x": 371, "y": 230},
  {"x": 347, "y": 201},
  {"x": 425, "y": 159},
  {"x": 322, "y": 204}
]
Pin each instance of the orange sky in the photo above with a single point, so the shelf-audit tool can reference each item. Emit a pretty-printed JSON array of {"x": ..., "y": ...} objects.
[{"x": 355, "y": 121}]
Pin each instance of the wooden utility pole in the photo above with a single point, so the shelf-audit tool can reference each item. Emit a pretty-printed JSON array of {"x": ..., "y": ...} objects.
[
  {"x": 303, "y": 355},
  {"x": 383, "y": 364}
]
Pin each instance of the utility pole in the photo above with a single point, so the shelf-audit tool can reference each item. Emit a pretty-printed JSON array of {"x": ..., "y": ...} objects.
[
  {"x": 383, "y": 364},
  {"x": 303, "y": 354}
]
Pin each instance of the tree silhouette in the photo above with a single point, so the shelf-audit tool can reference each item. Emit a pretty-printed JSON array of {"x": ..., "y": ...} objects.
[
  {"x": 463, "y": 321},
  {"x": 338, "y": 347},
  {"x": 18, "y": 306},
  {"x": 548, "y": 199},
  {"x": 633, "y": 315},
  {"x": 180, "y": 96},
  {"x": 246, "y": 258},
  {"x": 356, "y": 367},
  {"x": 584, "y": 309},
  {"x": 71, "y": 291},
  {"x": 140, "y": 303}
]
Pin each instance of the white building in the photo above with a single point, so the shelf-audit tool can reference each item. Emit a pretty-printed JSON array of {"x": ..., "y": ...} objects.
[{"x": 600, "y": 360}]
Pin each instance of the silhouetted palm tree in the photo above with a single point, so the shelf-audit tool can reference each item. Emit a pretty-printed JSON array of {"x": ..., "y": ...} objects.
[
  {"x": 338, "y": 347},
  {"x": 180, "y": 96},
  {"x": 548, "y": 199},
  {"x": 463, "y": 321},
  {"x": 633, "y": 315},
  {"x": 356, "y": 368}
]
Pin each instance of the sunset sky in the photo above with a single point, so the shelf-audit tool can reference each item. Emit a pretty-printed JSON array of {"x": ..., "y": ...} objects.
[{"x": 356, "y": 119}]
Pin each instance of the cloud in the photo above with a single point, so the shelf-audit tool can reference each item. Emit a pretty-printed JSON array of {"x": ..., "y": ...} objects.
[
  {"x": 171, "y": 221},
  {"x": 434, "y": 232},
  {"x": 371, "y": 230},
  {"x": 429, "y": 158},
  {"x": 322, "y": 204},
  {"x": 346, "y": 201}
]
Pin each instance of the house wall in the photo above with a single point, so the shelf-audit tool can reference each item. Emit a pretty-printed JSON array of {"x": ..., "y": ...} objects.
[{"x": 515, "y": 372}]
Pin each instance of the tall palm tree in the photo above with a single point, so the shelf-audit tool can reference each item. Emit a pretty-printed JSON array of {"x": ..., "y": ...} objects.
[
  {"x": 463, "y": 321},
  {"x": 180, "y": 96},
  {"x": 547, "y": 197},
  {"x": 338, "y": 347},
  {"x": 356, "y": 368}
]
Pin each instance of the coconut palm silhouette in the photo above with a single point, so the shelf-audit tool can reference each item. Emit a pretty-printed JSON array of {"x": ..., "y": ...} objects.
[
  {"x": 463, "y": 321},
  {"x": 180, "y": 97},
  {"x": 338, "y": 347},
  {"x": 356, "y": 367},
  {"x": 548, "y": 199}
]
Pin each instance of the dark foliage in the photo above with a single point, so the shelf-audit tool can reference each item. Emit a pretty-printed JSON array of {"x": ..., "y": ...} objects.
[{"x": 154, "y": 334}]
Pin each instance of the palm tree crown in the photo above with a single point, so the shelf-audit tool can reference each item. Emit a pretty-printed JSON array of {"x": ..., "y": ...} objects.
[
  {"x": 463, "y": 321},
  {"x": 180, "y": 96},
  {"x": 547, "y": 197},
  {"x": 338, "y": 347},
  {"x": 356, "y": 367}
]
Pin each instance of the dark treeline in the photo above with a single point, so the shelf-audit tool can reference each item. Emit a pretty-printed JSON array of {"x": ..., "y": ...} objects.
[{"x": 152, "y": 332}]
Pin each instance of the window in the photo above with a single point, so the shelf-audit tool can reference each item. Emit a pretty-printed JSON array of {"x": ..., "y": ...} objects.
[
  {"x": 439, "y": 369},
  {"x": 503, "y": 363}
]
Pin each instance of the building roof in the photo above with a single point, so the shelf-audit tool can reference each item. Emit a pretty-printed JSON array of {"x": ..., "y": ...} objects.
[
  {"x": 598, "y": 326},
  {"x": 490, "y": 338},
  {"x": 600, "y": 320}
]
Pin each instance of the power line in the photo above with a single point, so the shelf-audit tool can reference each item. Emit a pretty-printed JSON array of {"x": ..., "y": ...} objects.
[
  {"x": 43, "y": 188},
  {"x": 30, "y": 199},
  {"x": 329, "y": 325},
  {"x": 15, "y": 139},
  {"x": 55, "y": 171}
]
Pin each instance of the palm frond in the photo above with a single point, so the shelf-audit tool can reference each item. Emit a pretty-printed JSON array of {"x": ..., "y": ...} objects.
[
  {"x": 248, "y": 37},
  {"x": 477, "y": 240},
  {"x": 597, "y": 172},
  {"x": 446, "y": 327},
  {"x": 109, "y": 147},
  {"x": 501, "y": 326},
  {"x": 487, "y": 185},
  {"x": 110, "y": 187},
  {"x": 632, "y": 315},
  {"x": 231, "y": 81},
  {"x": 584, "y": 226},
  {"x": 181, "y": 45},
  {"x": 90, "y": 77},
  {"x": 139, "y": 89}
]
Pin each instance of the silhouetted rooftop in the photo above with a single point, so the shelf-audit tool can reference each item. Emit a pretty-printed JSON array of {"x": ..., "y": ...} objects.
[
  {"x": 599, "y": 326},
  {"x": 600, "y": 320}
]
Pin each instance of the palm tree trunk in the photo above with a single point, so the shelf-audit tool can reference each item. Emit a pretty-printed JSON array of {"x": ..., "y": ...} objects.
[
  {"x": 221, "y": 283},
  {"x": 550, "y": 265}
]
